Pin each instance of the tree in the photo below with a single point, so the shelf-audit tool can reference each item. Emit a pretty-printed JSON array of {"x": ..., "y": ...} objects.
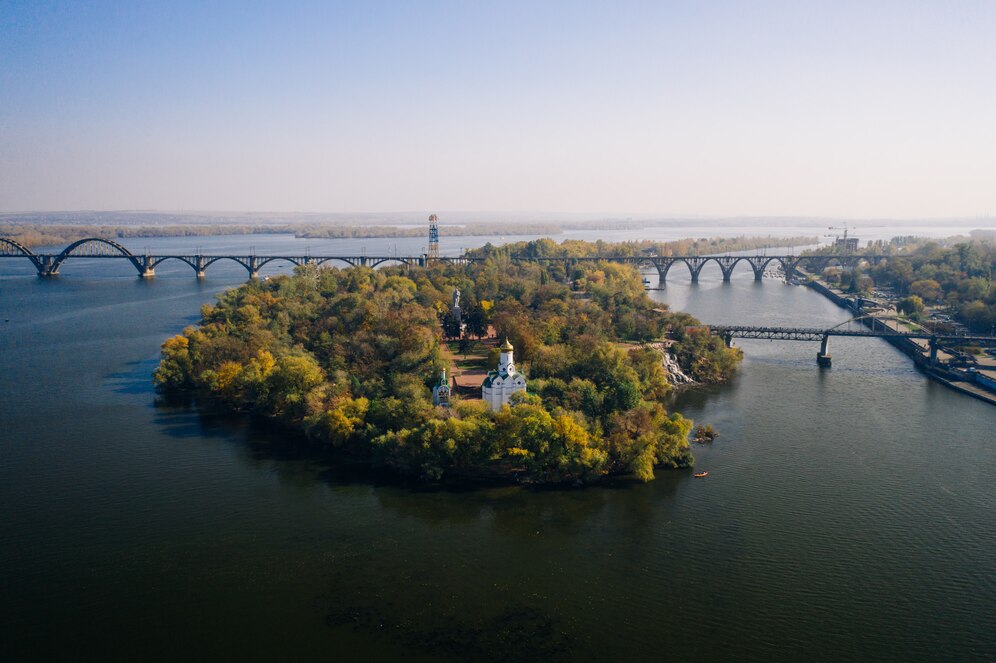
[
  {"x": 290, "y": 381},
  {"x": 175, "y": 368},
  {"x": 451, "y": 327},
  {"x": 911, "y": 306},
  {"x": 978, "y": 316},
  {"x": 928, "y": 290},
  {"x": 477, "y": 320}
]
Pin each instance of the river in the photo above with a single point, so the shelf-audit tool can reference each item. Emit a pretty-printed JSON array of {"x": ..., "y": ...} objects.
[{"x": 848, "y": 513}]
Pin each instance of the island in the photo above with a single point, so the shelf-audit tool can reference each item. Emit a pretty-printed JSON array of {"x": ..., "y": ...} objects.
[{"x": 355, "y": 359}]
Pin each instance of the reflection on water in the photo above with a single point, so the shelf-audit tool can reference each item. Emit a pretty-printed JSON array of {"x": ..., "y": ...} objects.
[{"x": 847, "y": 513}]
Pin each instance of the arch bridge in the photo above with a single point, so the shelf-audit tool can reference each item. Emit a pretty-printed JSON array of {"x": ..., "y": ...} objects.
[
  {"x": 790, "y": 264},
  {"x": 48, "y": 264}
]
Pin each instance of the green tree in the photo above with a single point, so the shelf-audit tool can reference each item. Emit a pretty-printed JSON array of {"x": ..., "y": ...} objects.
[
  {"x": 911, "y": 306},
  {"x": 928, "y": 290}
]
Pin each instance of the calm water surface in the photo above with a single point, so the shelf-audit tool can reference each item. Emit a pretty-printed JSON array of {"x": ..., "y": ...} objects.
[{"x": 848, "y": 513}]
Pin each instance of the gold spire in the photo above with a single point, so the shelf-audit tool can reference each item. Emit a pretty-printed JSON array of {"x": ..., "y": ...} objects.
[{"x": 506, "y": 347}]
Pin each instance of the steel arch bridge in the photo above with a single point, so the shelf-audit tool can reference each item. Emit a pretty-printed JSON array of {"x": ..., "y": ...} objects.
[
  {"x": 790, "y": 264},
  {"x": 145, "y": 264},
  {"x": 48, "y": 264}
]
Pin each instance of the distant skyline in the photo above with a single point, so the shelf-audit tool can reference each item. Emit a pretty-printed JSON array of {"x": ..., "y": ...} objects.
[{"x": 837, "y": 109}]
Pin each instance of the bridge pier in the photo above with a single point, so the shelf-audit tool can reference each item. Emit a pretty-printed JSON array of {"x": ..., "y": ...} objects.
[
  {"x": 823, "y": 358},
  {"x": 253, "y": 267},
  {"x": 695, "y": 265},
  {"x": 199, "y": 266},
  {"x": 146, "y": 269},
  {"x": 662, "y": 265},
  {"x": 47, "y": 267},
  {"x": 933, "y": 350},
  {"x": 726, "y": 264}
]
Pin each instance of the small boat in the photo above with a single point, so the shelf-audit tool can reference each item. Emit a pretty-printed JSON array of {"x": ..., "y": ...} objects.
[{"x": 701, "y": 475}]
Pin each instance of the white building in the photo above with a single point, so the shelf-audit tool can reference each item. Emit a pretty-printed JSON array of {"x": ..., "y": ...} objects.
[
  {"x": 441, "y": 392},
  {"x": 499, "y": 386}
]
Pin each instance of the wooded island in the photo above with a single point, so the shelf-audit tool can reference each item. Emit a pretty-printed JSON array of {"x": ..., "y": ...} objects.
[{"x": 349, "y": 358}]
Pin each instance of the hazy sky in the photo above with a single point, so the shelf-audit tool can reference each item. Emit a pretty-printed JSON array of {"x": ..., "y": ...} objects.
[{"x": 871, "y": 108}]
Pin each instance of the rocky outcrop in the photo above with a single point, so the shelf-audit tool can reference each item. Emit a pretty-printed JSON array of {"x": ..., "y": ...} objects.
[{"x": 674, "y": 373}]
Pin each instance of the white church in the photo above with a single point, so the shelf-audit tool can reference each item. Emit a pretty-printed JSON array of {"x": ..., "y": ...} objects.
[{"x": 499, "y": 385}]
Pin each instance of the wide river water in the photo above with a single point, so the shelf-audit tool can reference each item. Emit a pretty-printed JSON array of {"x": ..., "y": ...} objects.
[{"x": 849, "y": 513}]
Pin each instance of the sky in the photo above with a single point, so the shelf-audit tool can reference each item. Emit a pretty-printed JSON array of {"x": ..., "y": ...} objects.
[{"x": 876, "y": 108}]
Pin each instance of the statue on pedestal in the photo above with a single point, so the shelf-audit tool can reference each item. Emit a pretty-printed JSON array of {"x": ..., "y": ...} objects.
[{"x": 456, "y": 305}]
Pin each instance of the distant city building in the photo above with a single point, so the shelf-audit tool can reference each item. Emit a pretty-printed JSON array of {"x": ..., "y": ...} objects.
[
  {"x": 441, "y": 392},
  {"x": 847, "y": 243},
  {"x": 499, "y": 385}
]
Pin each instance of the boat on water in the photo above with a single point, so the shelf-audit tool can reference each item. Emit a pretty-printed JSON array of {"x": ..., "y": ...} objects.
[{"x": 701, "y": 475}]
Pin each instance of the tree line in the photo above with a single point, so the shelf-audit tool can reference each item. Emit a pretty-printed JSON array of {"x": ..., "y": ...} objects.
[{"x": 956, "y": 274}]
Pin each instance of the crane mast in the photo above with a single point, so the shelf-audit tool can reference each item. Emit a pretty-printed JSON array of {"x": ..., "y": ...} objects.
[{"x": 844, "y": 243}]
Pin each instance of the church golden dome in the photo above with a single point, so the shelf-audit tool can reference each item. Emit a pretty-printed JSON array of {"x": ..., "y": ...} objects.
[{"x": 506, "y": 347}]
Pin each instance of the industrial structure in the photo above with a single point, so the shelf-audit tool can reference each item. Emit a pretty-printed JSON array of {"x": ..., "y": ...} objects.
[
  {"x": 433, "y": 252},
  {"x": 844, "y": 244}
]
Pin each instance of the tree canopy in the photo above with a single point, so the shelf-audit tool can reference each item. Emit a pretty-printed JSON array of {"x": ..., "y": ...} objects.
[{"x": 348, "y": 358}]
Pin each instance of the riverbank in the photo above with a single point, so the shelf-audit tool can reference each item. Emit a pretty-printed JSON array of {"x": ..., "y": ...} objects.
[{"x": 939, "y": 370}]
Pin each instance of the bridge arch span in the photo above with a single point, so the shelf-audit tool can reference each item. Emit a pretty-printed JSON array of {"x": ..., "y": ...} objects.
[
  {"x": 265, "y": 261},
  {"x": 11, "y": 247},
  {"x": 878, "y": 322},
  {"x": 211, "y": 261},
  {"x": 695, "y": 265},
  {"x": 664, "y": 266},
  {"x": 185, "y": 259},
  {"x": 761, "y": 265},
  {"x": 729, "y": 265},
  {"x": 383, "y": 261},
  {"x": 322, "y": 261},
  {"x": 94, "y": 246}
]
